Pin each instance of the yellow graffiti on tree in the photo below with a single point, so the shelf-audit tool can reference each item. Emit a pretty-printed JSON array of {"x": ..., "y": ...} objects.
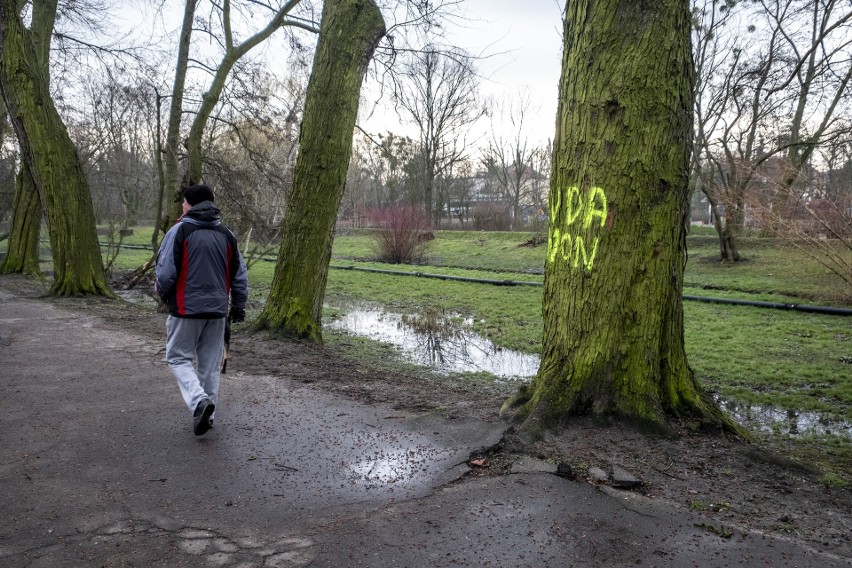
[{"x": 565, "y": 240}]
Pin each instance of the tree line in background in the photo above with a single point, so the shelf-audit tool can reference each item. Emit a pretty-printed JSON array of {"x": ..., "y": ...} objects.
[
  {"x": 773, "y": 123},
  {"x": 772, "y": 130},
  {"x": 772, "y": 148}
]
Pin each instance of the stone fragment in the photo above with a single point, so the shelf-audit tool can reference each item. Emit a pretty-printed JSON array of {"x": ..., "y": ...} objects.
[
  {"x": 195, "y": 533},
  {"x": 565, "y": 470},
  {"x": 597, "y": 474},
  {"x": 623, "y": 479}
]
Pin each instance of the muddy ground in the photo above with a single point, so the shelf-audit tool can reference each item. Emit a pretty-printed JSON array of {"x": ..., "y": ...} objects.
[{"x": 738, "y": 484}]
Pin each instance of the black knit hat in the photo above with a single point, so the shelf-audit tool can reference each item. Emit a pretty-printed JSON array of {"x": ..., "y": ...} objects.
[{"x": 195, "y": 194}]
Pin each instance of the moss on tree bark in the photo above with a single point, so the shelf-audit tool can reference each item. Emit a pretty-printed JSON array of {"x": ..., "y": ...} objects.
[
  {"x": 23, "y": 247},
  {"x": 349, "y": 33},
  {"x": 613, "y": 343},
  {"x": 52, "y": 159},
  {"x": 22, "y": 255}
]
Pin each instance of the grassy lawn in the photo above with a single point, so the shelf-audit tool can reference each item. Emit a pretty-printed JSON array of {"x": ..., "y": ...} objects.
[
  {"x": 750, "y": 356},
  {"x": 768, "y": 273}
]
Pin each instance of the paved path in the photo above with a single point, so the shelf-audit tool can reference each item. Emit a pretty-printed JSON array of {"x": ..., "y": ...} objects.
[{"x": 99, "y": 467}]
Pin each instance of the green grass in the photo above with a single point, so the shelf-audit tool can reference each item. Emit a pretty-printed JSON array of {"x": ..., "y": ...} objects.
[
  {"x": 494, "y": 251},
  {"x": 833, "y": 481},
  {"x": 141, "y": 236},
  {"x": 767, "y": 269},
  {"x": 764, "y": 357},
  {"x": 754, "y": 356},
  {"x": 769, "y": 272}
]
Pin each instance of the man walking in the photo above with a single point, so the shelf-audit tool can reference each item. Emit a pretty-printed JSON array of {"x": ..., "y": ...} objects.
[{"x": 199, "y": 269}]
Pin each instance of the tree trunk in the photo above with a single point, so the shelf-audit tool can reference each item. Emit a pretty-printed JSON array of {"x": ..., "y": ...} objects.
[
  {"x": 22, "y": 255},
  {"x": 733, "y": 228},
  {"x": 171, "y": 151},
  {"x": 728, "y": 251},
  {"x": 52, "y": 158},
  {"x": 613, "y": 342},
  {"x": 23, "y": 247},
  {"x": 429, "y": 190},
  {"x": 349, "y": 33}
]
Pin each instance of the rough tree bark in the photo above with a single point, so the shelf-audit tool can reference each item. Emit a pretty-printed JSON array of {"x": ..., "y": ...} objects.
[
  {"x": 23, "y": 247},
  {"x": 349, "y": 33},
  {"x": 613, "y": 343},
  {"x": 22, "y": 252},
  {"x": 52, "y": 159}
]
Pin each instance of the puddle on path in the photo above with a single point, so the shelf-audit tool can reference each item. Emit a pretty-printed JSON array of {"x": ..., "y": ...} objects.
[
  {"x": 443, "y": 344},
  {"x": 385, "y": 470}
]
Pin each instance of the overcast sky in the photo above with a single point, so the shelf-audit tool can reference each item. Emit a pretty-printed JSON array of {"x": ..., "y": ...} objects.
[
  {"x": 519, "y": 44},
  {"x": 525, "y": 40},
  {"x": 521, "y": 48}
]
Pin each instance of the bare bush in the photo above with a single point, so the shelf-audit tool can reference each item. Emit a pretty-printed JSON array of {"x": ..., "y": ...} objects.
[
  {"x": 402, "y": 234},
  {"x": 490, "y": 217}
]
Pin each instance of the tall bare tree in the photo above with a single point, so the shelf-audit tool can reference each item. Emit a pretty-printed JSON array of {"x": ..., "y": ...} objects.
[
  {"x": 380, "y": 173},
  {"x": 437, "y": 92},
  {"x": 816, "y": 216},
  {"x": 509, "y": 156},
  {"x": 775, "y": 78},
  {"x": 250, "y": 156},
  {"x": 171, "y": 147},
  {"x": 22, "y": 251},
  {"x": 613, "y": 342},
  {"x": 116, "y": 138},
  {"x": 232, "y": 52}
]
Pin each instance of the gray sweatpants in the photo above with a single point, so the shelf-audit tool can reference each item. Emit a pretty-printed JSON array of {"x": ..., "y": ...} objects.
[{"x": 201, "y": 341}]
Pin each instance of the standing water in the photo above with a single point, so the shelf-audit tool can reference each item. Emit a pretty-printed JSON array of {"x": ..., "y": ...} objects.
[{"x": 445, "y": 344}]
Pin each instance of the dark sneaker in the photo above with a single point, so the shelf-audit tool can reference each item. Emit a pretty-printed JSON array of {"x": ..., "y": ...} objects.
[{"x": 201, "y": 416}]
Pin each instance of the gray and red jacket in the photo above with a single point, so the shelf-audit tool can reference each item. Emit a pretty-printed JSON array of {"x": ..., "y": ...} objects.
[{"x": 199, "y": 267}]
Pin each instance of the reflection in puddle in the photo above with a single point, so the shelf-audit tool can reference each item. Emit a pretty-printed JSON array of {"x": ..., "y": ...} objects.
[
  {"x": 400, "y": 459},
  {"x": 135, "y": 296},
  {"x": 389, "y": 469},
  {"x": 441, "y": 343},
  {"x": 794, "y": 423}
]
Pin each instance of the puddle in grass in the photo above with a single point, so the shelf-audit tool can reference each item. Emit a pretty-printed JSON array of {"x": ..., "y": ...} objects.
[
  {"x": 136, "y": 296},
  {"x": 792, "y": 422},
  {"x": 447, "y": 345},
  {"x": 444, "y": 344}
]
